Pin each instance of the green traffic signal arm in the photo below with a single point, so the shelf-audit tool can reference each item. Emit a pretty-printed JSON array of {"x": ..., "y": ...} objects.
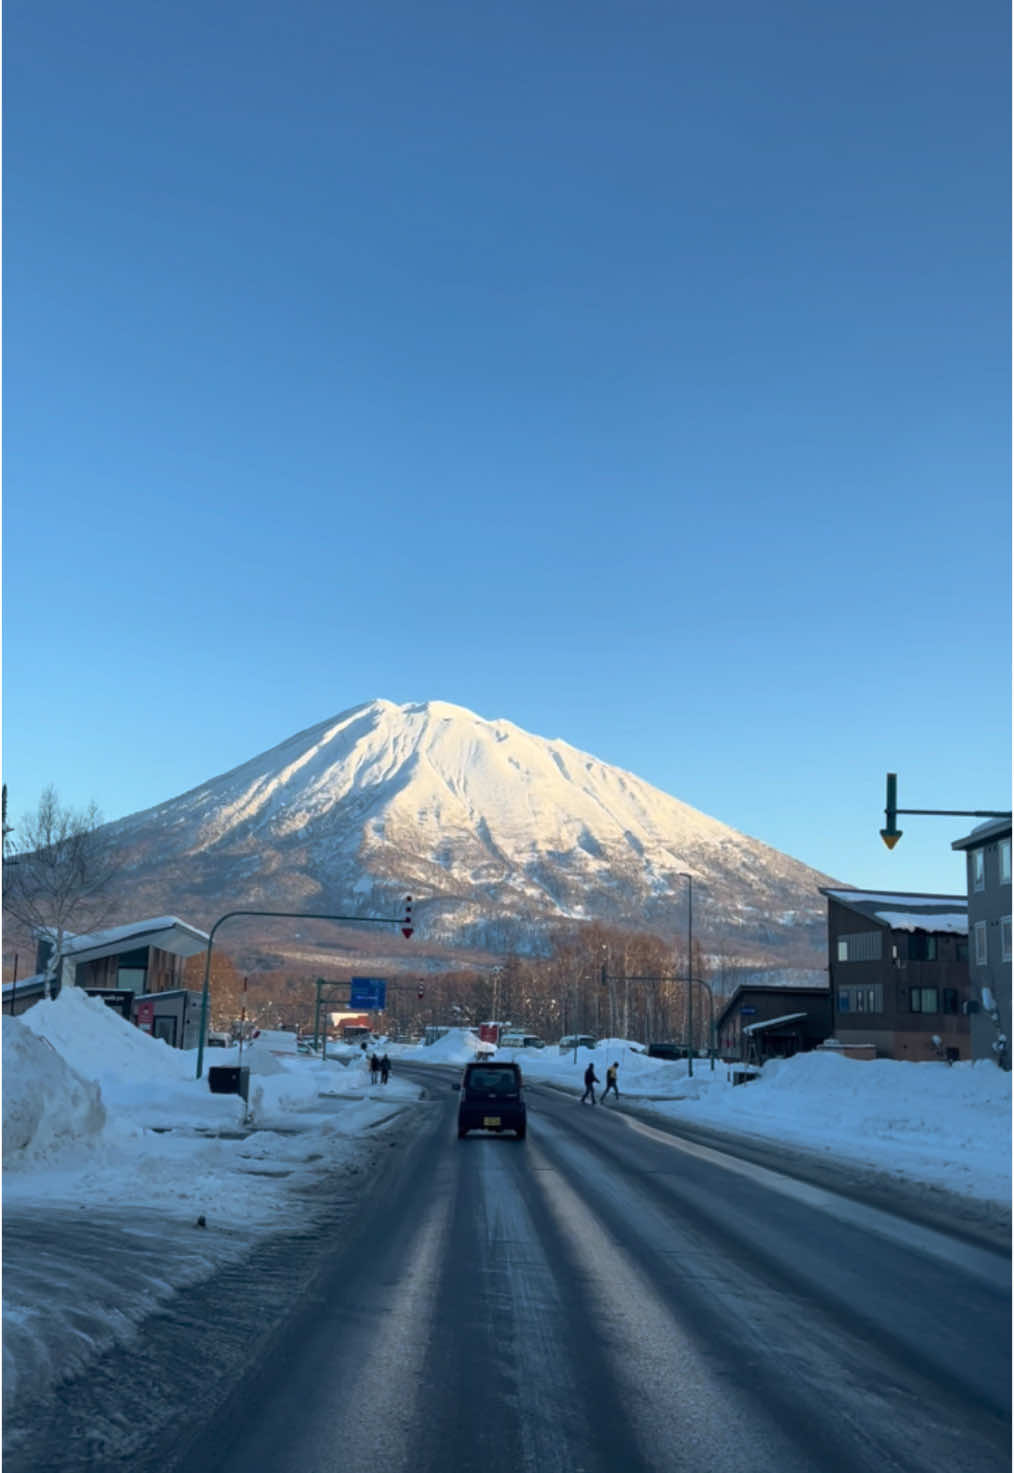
[{"x": 296, "y": 915}]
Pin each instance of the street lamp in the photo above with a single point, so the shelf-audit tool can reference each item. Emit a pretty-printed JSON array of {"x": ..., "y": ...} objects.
[
  {"x": 403, "y": 920},
  {"x": 690, "y": 970}
]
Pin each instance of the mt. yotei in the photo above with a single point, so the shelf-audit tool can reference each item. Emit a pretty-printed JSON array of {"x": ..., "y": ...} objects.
[{"x": 502, "y": 836}]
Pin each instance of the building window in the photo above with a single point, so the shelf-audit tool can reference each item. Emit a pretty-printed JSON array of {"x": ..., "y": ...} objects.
[
  {"x": 922, "y": 1000},
  {"x": 875, "y": 999},
  {"x": 978, "y": 862},
  {"x": 949, "y": 1000},
  {"x": 961, "y": 949},
  {"x": 864, "y": 946},
  {"x": 921, "y": 947},
  {"x": 981, "y": 945},
  {"x": 1005, "y": 938},
  {"x": 1004, "y": 861},
  {"x": 843, "y": 1002},
  {"x": 859, "y": 997}
]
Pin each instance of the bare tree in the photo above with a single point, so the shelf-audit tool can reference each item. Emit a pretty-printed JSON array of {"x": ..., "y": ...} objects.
[{"x": 56, "y": 876}]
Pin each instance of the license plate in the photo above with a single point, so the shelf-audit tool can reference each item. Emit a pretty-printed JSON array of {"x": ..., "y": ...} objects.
[{"x": 490, "y": 1122}]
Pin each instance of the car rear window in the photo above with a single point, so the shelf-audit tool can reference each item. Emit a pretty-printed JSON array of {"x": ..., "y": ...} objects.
[{"x": 493, "y": 1081}]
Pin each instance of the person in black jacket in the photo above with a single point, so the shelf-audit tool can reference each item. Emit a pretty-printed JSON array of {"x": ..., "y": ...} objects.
[
  {"x": 590, "y": 1081},
  {"x": 385, "y": 1068}
]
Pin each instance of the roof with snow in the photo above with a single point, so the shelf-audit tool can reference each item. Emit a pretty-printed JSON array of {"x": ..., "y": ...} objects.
[
  {"x": 168, "y": 933},
  {"x": 25, "y": 986},
  {"x": 815, "y": 995},
  {"x": 774, "y": 1022},
  {"x": 983, "y": 833},
  {"x": 906, "y": 912}
]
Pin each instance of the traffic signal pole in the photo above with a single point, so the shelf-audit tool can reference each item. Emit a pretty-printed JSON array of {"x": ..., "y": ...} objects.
[
  {"x": 404, "y": 921},
  {"x": 891, "y": 832}
]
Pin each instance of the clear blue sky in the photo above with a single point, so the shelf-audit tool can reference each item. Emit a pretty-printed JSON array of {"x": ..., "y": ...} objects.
[{"x": 635, "y": 372}]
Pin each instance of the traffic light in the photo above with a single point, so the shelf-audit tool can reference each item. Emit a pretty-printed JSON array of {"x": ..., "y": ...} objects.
[
  {"x": 419, "y": 991},
  {"x": 406, "y": 929},
  {"x": 891, "y": 834}
]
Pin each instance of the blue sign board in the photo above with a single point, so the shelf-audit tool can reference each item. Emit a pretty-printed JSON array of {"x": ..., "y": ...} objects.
[
  {"x": 747, "y": 1011},
  {"x": 368, "y": 993}
]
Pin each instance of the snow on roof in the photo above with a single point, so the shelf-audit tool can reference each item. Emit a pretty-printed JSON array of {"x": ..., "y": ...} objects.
[
  {"x": 23, "y": 984},
  {"x": 168, "y": 933},
  {"x": 773, "y": 1022},
  {"x": 993, "y": 828},
  {"x": 775, "y": 979},
  {"x": 899, "y": 920},
  {"x": 903, "y": 912},
  {"x": 900, "y": 899}
]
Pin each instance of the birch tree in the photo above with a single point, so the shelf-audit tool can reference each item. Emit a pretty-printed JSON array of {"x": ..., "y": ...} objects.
[{"x": 56, "y": 876}]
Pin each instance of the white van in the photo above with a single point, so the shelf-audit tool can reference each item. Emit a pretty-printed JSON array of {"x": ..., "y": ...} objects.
[
  {"x": 521, "y": 1040},
  {"x": 574, "y": 1041}
]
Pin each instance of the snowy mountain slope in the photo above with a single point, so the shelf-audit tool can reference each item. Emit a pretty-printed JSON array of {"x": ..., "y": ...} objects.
[{"x": 501, "y": 834}]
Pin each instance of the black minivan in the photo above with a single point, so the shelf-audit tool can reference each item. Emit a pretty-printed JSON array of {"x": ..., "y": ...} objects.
[{"x": 491, "y": 1099}]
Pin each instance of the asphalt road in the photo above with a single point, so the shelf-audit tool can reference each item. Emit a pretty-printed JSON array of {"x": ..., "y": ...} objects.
[{"x": 603, "y": 1296}]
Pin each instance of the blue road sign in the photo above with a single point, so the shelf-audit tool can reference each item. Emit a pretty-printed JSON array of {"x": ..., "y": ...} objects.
[{"x": 368, "y": 993}]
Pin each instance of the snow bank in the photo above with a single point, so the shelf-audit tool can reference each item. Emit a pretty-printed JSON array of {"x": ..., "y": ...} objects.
[
  {"x": 457, "y": 1046},
  {"x": 47, "y": 1105},
  {"x": 99, "y": 1043}
]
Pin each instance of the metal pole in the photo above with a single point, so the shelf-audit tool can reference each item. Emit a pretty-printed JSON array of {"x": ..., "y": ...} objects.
[
  {"x": 242, "y": 1024},
  {"x": 690, "y": 971},
  {"x": 296, "y": 915},
  {"x": 14, "y": 980}
]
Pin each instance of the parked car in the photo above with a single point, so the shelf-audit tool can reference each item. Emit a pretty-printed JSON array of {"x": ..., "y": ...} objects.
[
  {"x": 521, "y": 1040},
  {"x": 577, "y": 1040},
  {"x": 491, "y": 1098}
]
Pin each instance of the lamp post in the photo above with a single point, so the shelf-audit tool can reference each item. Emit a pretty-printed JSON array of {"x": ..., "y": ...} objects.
[
  {"x": 403, "y": 921},
  {"x": 690, "y": 970}
]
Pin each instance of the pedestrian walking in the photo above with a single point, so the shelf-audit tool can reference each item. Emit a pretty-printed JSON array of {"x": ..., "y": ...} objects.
[
  {"x": 611, "y": 1081},
  {"x": 590, "y": 1081},
  {"x": 374, "y": 1068},
  {"x": 385, "y": 1069}
]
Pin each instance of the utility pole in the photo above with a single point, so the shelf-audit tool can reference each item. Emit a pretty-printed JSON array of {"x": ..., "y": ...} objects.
[{"x": 690, "y": 971}]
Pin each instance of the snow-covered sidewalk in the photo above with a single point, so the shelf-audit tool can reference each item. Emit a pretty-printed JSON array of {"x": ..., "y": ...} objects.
[{"x": 102, "y": 1121}]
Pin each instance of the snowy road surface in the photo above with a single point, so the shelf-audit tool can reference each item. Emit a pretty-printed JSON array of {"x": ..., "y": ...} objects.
[{"x": 601, "y": 1296}]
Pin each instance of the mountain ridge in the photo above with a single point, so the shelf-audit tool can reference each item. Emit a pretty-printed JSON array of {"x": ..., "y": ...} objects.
[{"x": 501, "y": 834}]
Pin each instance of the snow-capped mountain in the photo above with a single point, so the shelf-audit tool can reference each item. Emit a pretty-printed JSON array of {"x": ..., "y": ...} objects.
[{"x": 500, "y": 835}]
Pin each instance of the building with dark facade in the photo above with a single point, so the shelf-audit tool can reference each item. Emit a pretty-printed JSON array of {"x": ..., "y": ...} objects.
[
  {"x": 783, "y": 1020},
  {"x": 898, "y": 967},
  {"x": 987, "y": 851}
]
